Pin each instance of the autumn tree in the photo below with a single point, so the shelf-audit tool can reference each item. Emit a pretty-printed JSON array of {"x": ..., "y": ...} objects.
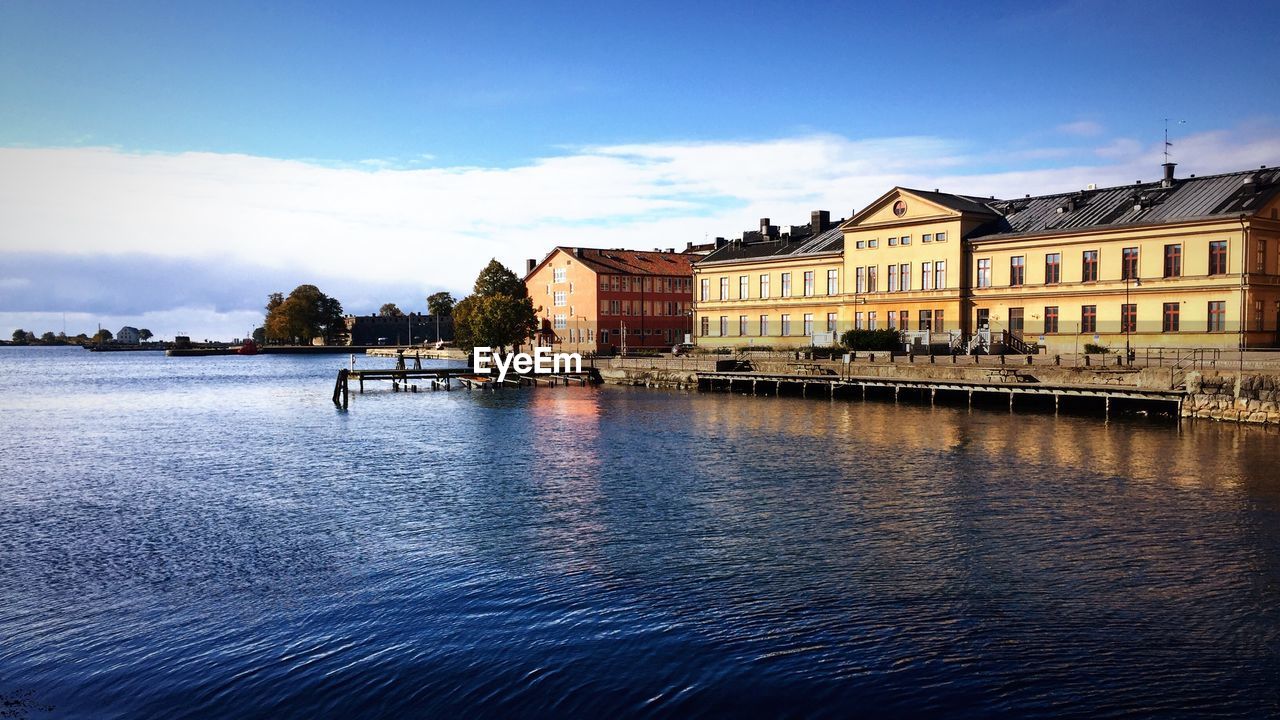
[
  {"x": 102, "y": 336},
  {"x": 306, "y": 313},
  {"x": 499, "y": 313}
]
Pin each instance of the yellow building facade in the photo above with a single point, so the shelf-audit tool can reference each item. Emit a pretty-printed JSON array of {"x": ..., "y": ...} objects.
[{"x": 1178, "y": 263}]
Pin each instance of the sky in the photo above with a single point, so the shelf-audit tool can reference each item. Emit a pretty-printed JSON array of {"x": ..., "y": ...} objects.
[{"x": 168, "y": 165}]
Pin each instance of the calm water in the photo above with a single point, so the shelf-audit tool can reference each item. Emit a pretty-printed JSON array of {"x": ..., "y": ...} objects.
[{"x": 208, "y": 537}]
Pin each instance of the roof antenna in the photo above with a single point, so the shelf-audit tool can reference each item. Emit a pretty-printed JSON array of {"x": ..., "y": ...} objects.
[{"x": 1168, "y": 144}]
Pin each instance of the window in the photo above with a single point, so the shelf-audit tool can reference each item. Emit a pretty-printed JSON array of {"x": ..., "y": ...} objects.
[
  {"x": 926, "y": 321},
  {"x": 704, "y": 291},
  {"x": 940, "y": 237},
  {"x": 808, "y": 323},
  {"x": 926, "y": 276},
  {"x": 1261, "y": 263},
  {"x": 831, "y": 322},
  {"x": 1128, "y": 317},
  {"x": 904, "y": 279},
  {"x": 861, "y": 282},
  {"x": 558, "y": 275},
  {"x": 1051, "y": 319},
  {"x": 560, "y": 299},
  {"x": 893, "y": 241},
  {"x": 724, "y": 325},
  {"x": 724, "y": 288},
  {"x": 871, "y": 320},
  {"x": 860, "y": 244},
  {"x": 560, "y": 322},
  {"x": 927, "y": 237},
  {"x": 1218, "y": 257},
  {"x": 1089, "y": 319},
  {"x": 744, "y": 290},
  {"x": 893, "y": 319},
  {"x": 1089, "y": 266},
  {"x": 937, "y": 320},
  {"x": 742, "y": 324},
  {"x": 1172, "y": 311},
  {"x": 984, "y": 273},
  {"x": 833, "y": 282},
  {"x": 904, "y": 320},
  {"x": 893, "y": 278},
  {"x": 1052, "y": 268},
  {"x": 1017, "y": 270},
  {"x": 873, "y": 243},
  {"x": 705, "y": 323},
  {"x": 764, "y": 287},
  {"x": 764, "y": 325},
  {"x": 1129, "y": 263},
  {"x": 940, "y": 275},
  {"x": 786, "y": 286},
  {"x": 858, "y": 321},
  {"x": 1016, "y": 324},
  {"x": 808, "y": 283},
  {"x": 1257, "y": 315},
  {"x": 1172, "y": 261},
  {"x": 871, "y": 278},
  {"x": 904, "y": 240},
  {"x": 786, "y": 324},
  {"x": 1217, "y": 315},
  {"x": 604, "y": 282}
]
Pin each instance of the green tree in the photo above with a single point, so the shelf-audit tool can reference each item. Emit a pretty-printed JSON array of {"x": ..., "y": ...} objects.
[
  {"x": 498, "y": 314},
  {"x": 441, "y": 304},
  {"x": 102, "y": 336},
  {"x": 306, "y": 313},
  {"x": 19, "y": 336},
  {"x": 49, "y": 338},
  {"x": 145, "y": 334},
  {"x": 390, "y": 310}
]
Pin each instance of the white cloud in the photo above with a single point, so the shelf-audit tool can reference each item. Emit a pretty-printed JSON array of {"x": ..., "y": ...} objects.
[
  {"x": 434, "y": 228},
  {"x": 1081, "y": 128}
]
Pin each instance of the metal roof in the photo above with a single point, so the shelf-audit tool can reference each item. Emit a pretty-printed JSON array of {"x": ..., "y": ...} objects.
[{"x": 800, "y": 242}]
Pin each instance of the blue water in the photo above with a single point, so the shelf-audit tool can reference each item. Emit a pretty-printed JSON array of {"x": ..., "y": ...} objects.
[{"x": 210, "y": 537}]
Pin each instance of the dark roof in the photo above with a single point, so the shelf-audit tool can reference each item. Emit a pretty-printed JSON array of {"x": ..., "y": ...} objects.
[
  {"x": 961, "y": 203},
  {"x": 800, "y": 241},
  {"x": 631, "y": 262},
  {"x": 1226, "y": 195}
]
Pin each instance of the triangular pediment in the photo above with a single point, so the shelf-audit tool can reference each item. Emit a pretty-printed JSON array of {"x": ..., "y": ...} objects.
[{"x": 902, "y": 205}]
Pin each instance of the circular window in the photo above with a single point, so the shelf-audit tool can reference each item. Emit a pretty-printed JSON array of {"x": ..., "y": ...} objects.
[{"x": 900, "y": 208}]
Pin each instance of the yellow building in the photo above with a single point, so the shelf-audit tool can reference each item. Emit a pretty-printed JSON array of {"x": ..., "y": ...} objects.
[{"x": 1178, "y": 263}]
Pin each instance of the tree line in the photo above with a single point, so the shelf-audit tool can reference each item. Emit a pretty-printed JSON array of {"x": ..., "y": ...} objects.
[{"x": 26, "y": 337}]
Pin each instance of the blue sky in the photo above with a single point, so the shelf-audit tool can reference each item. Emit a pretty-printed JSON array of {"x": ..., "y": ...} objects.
[{"x": 557, "y": 122}]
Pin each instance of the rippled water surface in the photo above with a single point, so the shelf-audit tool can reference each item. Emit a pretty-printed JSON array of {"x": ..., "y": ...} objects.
[{"x": 209, "y": 537}]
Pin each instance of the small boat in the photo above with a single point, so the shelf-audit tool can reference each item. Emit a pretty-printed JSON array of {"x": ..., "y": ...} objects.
[{"x": 248, "y": 347}]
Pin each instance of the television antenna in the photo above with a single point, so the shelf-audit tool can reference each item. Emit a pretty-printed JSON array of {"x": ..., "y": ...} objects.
[{"x": 1168, "y": 144}]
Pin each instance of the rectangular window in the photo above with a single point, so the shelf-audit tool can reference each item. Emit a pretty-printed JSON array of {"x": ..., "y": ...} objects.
[
  {"x": 764, "y": 325},
  {"x": 893, "y": 319},
  {"x": 984, "y": 272},
  {"x": 860, "y": 244},
  {"x": 859, "y": 320},
  {"x": 861, "y": 283},
  {"x": 1261, "y": 262},
  {"x": 561, "y": 322},
  {"x": 1218, "y": 257},
  {"x": 561, "y": 299},
  {"x": 705, "y": 325},
  {"x": 1128, "y": 317},
  {"x": 1172, "y": 313},
  {"x": 744, "y": 290},
  {"x": 833, "y": 282},
  {"x": 1257, "y": 315},
  {"x": 1016, "y": 323},
  {"x": 558, "y": 275},
  {"x": 893, "y": 278},
  {"x": 1217, "y": 315},
  {"x": 1052, "y": 268},
  {"x": 808, "y": 323},
  {"x": 808, "y": 283},
  {"x": 926, "y": 276},
  {"x": 1051, "y": 319},
  {"x": 904, "y": 279},
  {"x": 893, "y": 241},
  {"x": 871, "y": 320},
  {"x": 904, "y": 320},
  {"x": 940, "y": 237},
  {"x": 831, "y": 322},
  {"x": 742, "y": 324},
  {"x": 724, "y": 288},
  {"x": 1089, "y": 266},
  {"x": 786, "y": 324},
  {"x": 1089, "y": 319},
  {"x": 1017, "y": 270},
  {"x": 604, "y": 282},
  {"x": 937, "y": 321},
  {"x": 926, "y": 237},
  {"x": 940, "y": 275},
  {"x": 871, "y": 278},
  {"x": 926, "y": 321},
  {"x": 1129, "y": 263},
  {"x": 786, "y": 286},
  {"x": 904, "y": 240},
  {"x": 724, "y": 325},
  {"x": 873, "y": 242},
  {"x": 764, "y": 287},
  {"x": 1173, "y": 260},
  {"x": 705, "y": 290}
]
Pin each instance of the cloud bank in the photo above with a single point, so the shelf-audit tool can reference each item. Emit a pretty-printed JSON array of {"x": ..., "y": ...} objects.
[{"x": 195, "y": 241}]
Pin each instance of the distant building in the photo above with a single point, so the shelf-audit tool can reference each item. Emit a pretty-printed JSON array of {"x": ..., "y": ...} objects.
[
  {"x": 411, "y": 329},
  {"x": 604, "y": 301},
  {"x": 128, "y": 336}
]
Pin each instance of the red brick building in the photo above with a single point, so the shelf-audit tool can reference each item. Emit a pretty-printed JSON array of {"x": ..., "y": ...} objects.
[{"x": 605, "y": 301}]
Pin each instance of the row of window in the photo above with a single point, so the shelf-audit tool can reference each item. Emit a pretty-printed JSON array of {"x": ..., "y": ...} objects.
[
  {"x": 933, "y": 276},
  {"x": 761, "y": 327},
  {"x": 903, "y": 240},
  {"x": 1171, "y": 318},
  {"x": 1128, "y": 264},
  {"x": 926, "y": 320},
  {"x": 648, "y": 284},
  {"x": 581, "y": 335},
  {"x": 763, "y": 287},
  {"x": 647, "y": 308}
]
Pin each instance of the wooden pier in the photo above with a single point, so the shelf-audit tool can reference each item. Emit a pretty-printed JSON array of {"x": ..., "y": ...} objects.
[
  {"x": 433, "y": 379},
  {"x": 1003, "y": 387}
]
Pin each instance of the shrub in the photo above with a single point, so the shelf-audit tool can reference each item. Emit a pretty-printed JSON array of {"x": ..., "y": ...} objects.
[
  {"x": 1094, "y": 349},
  {"x": 887, "y": 339}
]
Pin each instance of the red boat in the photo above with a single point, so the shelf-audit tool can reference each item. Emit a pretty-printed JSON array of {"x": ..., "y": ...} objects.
[{"x": 248, "y": 347}]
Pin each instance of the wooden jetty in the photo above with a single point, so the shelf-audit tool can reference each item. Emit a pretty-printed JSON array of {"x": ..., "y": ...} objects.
[
  {"x": 412, "y": 379},
  {"x": 1003, "y": 386}
]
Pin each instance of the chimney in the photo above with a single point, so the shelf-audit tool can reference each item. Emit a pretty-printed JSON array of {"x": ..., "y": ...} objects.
[
  {"x": 688, "y": 246},
  {"x": 577, "y": 252},
  {"x": 1168, "y": 175},
  {"x": 720, "y": 242},
  {"x": 819, "y": 221},
  {"x": 529, "y": 265}
]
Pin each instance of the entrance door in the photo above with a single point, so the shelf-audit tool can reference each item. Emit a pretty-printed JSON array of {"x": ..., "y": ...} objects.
[{"x": 1015, "y": 322}]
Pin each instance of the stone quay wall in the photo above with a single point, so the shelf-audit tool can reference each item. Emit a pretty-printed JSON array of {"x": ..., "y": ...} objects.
[{"x": 1235, "y": 397}]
